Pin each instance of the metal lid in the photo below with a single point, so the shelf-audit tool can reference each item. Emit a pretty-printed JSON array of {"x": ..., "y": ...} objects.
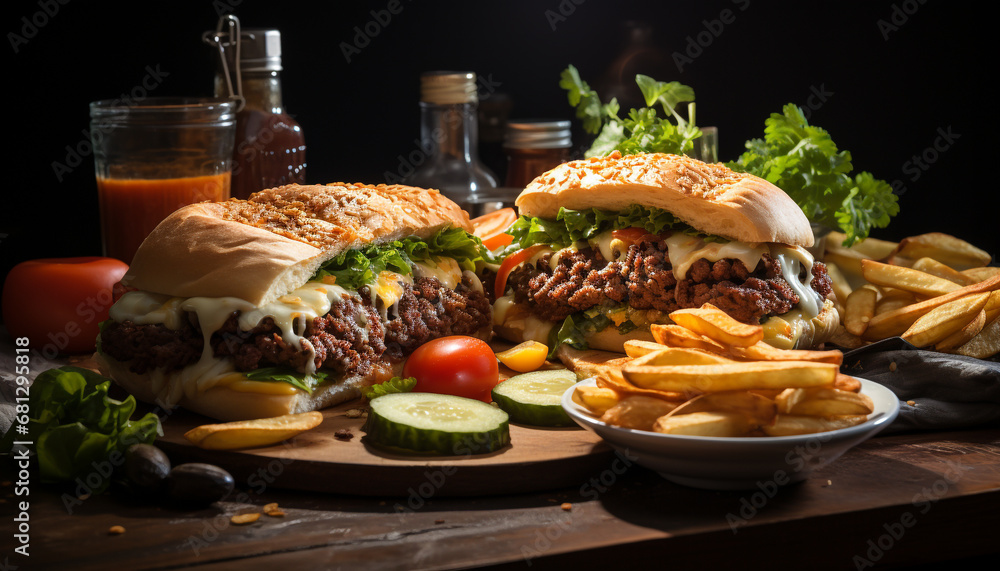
[
  {"x": 538, "y": 134},
  {"x": 448, "y": 87}
]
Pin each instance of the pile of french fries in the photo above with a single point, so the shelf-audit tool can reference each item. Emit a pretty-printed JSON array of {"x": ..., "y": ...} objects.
[
  {"x": 710, "y": 375},
  {"x": 933, "y": 290}
]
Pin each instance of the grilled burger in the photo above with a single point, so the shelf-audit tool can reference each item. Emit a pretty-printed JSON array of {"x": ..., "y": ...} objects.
[
  {"x": 292, "y": 300},
  {"x": 605, "y": 247}
]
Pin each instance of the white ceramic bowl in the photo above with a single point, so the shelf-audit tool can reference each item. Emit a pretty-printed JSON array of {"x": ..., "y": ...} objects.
[{"x": 720, "y": 463}]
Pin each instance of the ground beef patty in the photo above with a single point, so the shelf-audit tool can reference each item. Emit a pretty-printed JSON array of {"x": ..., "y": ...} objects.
[
  {"x": 348, "y": 340},
  {"x": 643, "y": 278}
]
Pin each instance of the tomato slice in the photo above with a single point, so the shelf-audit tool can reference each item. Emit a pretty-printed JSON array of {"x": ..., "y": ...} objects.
[
  {"x": 512, "y": 261},
  {"x": 491, "y": 228},
  {"x": 629, "y": 235}
]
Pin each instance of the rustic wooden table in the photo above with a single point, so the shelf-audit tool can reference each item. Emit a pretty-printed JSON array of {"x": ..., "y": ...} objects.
[{"x": 900, "y": 500}]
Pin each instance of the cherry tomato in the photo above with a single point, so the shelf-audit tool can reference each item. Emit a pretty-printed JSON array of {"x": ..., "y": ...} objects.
[
  {"x": 58, "y": 303},
  {"x": 512, "y": 261},
  {"x": 490, "y": 228},
  {"x": 456, "y": 365}
]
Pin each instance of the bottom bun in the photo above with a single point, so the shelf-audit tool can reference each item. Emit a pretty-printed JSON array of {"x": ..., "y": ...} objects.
[
  {"x": 790, "y": 331},
  {"x": 225, "y": 404}
]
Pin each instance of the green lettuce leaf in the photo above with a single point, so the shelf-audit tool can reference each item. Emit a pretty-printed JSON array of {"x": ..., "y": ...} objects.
[
  {"x": 356, "y": 268},
  {"x": 76, "y": 427},
  {"x": 571, "y": 226},
  {"x": 393, "y": 385},
  {"x": 288, "y": 375}
]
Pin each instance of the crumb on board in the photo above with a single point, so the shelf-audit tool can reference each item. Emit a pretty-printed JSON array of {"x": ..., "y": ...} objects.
[
  {"x": 892, "y": 366},
  {"x": 116, "y": 530},
  {"x": 566, "y": 506},
  {"x": 911, "y": 402},
  {"x": 243, "y": 519},
  {"x": 343, "y": 434}
]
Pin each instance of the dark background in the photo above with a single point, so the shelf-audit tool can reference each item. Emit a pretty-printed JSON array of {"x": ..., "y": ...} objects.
[{"x": 886, "y": 78}]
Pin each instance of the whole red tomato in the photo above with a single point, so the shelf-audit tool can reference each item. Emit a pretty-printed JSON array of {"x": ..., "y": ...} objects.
[
  {"x": 455, "y": 365},
  {"x": 58, "y": 303}
]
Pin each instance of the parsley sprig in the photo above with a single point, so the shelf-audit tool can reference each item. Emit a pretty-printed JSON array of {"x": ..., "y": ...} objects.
[
  {"x": 803, "y": 160},
  {"x": 643, "y": 130}
]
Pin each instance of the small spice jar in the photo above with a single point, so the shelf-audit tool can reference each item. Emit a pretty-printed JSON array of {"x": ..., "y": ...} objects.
[{"x": 534, "y": 146}]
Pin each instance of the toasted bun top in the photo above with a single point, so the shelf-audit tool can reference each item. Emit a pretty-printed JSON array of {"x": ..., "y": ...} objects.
[
  {"x": 709, "y": 197},
  {"x": 261, "y": 248}
]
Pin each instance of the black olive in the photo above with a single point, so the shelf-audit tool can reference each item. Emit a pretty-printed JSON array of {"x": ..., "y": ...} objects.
[
  {"x": 146, "y": 468},
  {"x": 199, "y": 484}
]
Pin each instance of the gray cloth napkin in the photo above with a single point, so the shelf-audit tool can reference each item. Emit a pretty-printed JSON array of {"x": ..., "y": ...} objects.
[{"x": 948, "y": 392}]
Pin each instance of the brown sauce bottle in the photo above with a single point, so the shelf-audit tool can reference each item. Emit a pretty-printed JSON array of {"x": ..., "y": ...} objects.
[{"x": 270, "y": 148}]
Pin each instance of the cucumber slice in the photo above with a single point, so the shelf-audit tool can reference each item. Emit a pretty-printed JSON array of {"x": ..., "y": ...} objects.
[
  {"x": 431, "y": 423},
  {"x": 535, "y": 398}
]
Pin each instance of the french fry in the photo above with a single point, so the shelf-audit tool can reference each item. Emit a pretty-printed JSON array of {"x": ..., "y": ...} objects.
[
  {"x": 945, "y": 248},
  {"x": 984, "y": 345},
  {"x": 677, "y": 336},
  {"x": 637, "y": 348},
  {"x": 717, "y": 325},
  {"x": 847, "y": 383},
  {"x": 847, "y": 260},
  {"x": 677, "y": 356},
  {"x": 841, "y": 287},
  {"x": 704, "y": 424},
  {"x": 874, "y": 248},
  {"x": 982, "y": 274},
  {"x": 892, "y": 299},
  {"x": 860, "y": 308},
  {"x": 790, "y": 425},
  {"x": 942, "y": 270},
  {"x": 963, "y": 335},
  {"x": 761, "y": 351},
  {"x": 915, "y": 281},
  {"x": 823, "y": 402},
  {"x": 595, "y": 399},
  {"x": 730, "y": 377},
  {"x": 252, "y": 433},
  {"x": 944, "y": 320},
  {"x": 759, "y": 409},
  {"x": 637, "y": 412},
  {"x": 895, "y": 322},
  {"x": 841, "y": 338},
  {"x": 615, "y": 381}
]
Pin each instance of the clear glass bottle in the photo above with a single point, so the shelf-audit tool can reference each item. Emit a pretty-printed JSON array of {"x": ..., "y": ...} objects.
[
  {"x": 449, "y": 137},
  {"x": 270, "y": 147}
]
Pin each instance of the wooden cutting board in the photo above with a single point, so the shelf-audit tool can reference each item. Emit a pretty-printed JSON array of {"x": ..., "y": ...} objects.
[{"x": 537, "y": 459}]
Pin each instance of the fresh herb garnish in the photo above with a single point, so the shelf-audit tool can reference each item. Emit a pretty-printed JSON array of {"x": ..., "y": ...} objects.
[
  {"x": 355, "y": 268},
  {"x": 803, "y": 160},
  {"x": 393, "y": 385},
  {"x": 304, "y": 381},
  {"x": 77, "y": 428},
  {"x": 643, "y": 130}
]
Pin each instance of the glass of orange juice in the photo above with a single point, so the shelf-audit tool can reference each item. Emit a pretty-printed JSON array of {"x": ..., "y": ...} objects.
[{"x": 154, "y": 156}]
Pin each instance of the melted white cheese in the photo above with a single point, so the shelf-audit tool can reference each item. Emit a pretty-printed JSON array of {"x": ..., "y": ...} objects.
[{"x": 685, "y": 250}]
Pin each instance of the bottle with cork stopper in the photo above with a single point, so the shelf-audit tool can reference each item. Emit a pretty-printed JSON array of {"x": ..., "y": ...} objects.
[{"x": 449, "y": 138}]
